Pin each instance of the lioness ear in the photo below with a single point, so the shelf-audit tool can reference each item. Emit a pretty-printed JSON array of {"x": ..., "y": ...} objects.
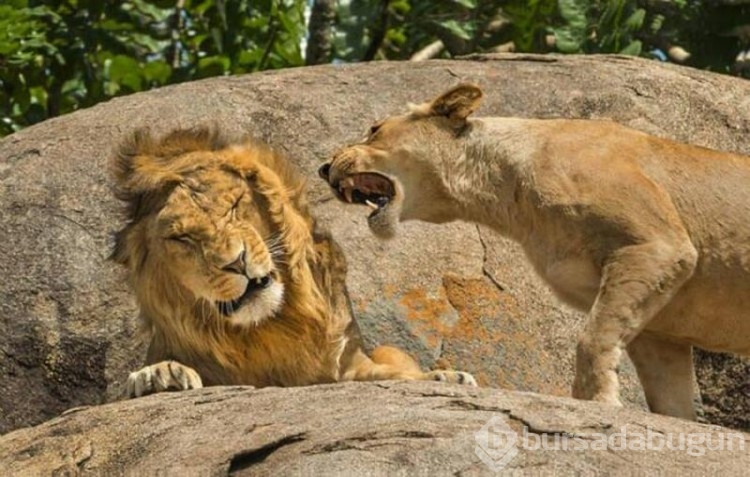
[{"x": 458, "y": 102}]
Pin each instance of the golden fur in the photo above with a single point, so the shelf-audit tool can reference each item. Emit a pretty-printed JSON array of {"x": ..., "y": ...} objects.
[
  {"x": 235, "y": 283},
  {"x": 649, "y": 236}
]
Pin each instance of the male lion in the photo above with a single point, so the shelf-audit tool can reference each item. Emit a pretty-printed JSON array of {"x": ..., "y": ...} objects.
[
  {"x": 649, "y": 236},
  {"x": 234, "y": 282}
]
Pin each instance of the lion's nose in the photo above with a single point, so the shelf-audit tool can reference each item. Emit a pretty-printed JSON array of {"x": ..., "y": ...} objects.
[
  {"x": 260, "y": 283},
  {"x": 239, "y": 265},
  {"x": 324, "y": 171}
]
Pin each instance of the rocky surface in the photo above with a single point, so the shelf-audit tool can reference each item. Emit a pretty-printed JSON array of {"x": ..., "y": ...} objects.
[
  {"x": 453, "y": 295},
  {"x": 404, "y": 429}
]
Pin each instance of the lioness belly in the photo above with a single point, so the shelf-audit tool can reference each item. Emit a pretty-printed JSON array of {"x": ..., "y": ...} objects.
[{"x": 711, "y": 311}]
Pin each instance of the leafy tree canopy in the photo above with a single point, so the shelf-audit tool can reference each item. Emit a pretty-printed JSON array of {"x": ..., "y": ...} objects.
[{"x": 60, "y": 55}]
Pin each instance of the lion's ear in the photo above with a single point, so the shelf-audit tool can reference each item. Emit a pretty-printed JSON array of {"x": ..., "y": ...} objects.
[
  {"x": 458, "y": 102},
  {"x": 139, "y": 167}
]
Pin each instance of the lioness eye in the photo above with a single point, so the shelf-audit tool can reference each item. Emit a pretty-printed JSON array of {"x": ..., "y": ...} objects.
[{"x": 374, "y": 129}]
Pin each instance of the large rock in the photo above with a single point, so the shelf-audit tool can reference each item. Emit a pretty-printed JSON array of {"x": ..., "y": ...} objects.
[
  {"x": 725, "y": 388},
  {"x": 451, "y": 294},
  {"x": 406, "y": 429}
]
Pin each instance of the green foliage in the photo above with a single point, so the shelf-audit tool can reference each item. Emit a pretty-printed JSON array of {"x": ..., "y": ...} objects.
[
  {"x": 530, "y": 23},
  {"x": 396, "y": 29},
  {"x": 591, "y": 26},
  {"x": 571, "y": 35},
  {"x": 60, "y": 55}
]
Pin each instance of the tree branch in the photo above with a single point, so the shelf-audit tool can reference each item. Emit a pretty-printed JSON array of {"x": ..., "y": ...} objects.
[
  {"x": 319, "y": 32},
  {"x": 273, "y": 29},
  {"x": 378, "y": 32},
  {"x": 429, "y": 51}
]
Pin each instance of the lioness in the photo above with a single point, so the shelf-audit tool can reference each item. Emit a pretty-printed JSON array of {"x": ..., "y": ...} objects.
[
  {"x": 649, "y": 236},
  {"x": 234, "y": 282}
]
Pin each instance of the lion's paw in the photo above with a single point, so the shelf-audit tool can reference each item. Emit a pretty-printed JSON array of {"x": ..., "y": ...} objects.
[
  {"x": 163, "y": 376},
  {"x": 459, "y": 377}
]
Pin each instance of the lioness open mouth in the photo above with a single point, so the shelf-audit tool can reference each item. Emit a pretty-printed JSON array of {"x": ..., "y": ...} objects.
[
  {"x": 367, "y": 188},
  {"x": 227, "y": 308}
]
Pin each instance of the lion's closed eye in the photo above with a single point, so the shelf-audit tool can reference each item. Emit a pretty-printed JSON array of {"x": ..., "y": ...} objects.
[
  {"x": 235, "y": 210},
  {"x": 183, "y": 239}
]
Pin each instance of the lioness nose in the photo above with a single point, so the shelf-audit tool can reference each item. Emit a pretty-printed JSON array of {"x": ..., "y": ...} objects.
[
  {"x": 238, "y": 266},
  {"x": 324, "y": 170}
]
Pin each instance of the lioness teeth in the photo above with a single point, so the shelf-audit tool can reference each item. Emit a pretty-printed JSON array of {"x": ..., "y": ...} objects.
[
  {"x": 371, "y": 205},
  {"x": 348, "y": 194}
]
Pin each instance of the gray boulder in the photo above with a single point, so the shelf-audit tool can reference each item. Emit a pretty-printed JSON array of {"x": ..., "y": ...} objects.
[
  {"x": 453, "y": 295},
  {"x": 369, "y": 429}
]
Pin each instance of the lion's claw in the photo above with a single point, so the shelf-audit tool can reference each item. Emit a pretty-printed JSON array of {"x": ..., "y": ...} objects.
[
  {"x": 458, "y": 377},
  {"x": 163, "y": 376}
]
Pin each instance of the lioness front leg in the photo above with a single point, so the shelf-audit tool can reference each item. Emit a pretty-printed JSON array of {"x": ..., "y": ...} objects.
[
  {"x": 637, "y": 281},
  {"x": 162, "y": 376},
  {"x": 391, "y": 363}
]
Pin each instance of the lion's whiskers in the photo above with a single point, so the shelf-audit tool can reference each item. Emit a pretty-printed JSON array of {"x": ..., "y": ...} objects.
[
  {"x": 273, "y": 239},
  {"x": 276, "y": 248}
]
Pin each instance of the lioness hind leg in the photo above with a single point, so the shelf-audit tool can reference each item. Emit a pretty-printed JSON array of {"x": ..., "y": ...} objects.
[
  {"x": 665, "y": 370},
  {"x": 162, "y": 376},
  {"x": 392, "y": 363},
  {"x": 637, "y": 281}
]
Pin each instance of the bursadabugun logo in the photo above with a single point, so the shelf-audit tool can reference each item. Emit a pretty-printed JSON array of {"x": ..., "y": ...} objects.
[{"x": 496, "y": 443}]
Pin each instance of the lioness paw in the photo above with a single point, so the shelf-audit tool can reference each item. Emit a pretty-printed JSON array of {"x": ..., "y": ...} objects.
[
  {"x": 459, "y": 377},
  {"x": 163, "y": 376}
]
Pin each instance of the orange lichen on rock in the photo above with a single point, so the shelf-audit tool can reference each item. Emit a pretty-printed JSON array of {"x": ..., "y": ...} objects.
[{"x": 427, "y": 315}]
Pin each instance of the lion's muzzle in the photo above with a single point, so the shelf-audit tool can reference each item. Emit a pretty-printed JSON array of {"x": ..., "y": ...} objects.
[{"x": 254, "y": 285}]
